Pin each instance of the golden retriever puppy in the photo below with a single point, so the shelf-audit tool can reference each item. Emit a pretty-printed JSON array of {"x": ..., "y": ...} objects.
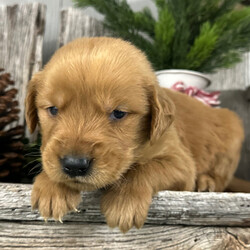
[{"x": 106, "y": 124}]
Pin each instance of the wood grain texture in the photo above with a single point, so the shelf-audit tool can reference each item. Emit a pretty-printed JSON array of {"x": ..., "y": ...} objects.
[
  {"x": 99, "y": 236},
  {"x": 21, "y": 228},
  {"x": 237, "y": 77},
  {"x": 167, "y": 208},
  {"x": 75, "y": 24},
  {"x": 21, "y": 39}
]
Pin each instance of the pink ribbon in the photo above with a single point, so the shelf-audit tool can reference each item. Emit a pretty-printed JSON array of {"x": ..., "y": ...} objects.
[{"x": 210, "y": 99}]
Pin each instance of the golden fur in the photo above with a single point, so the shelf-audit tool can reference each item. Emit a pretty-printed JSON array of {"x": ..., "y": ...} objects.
[{"x": 167, "y": 140}]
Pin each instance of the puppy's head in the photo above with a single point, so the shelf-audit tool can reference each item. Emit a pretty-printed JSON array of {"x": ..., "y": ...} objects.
[{"x": 97, "y": 102}]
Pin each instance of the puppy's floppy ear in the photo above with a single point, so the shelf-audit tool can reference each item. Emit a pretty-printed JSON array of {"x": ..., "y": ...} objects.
[
  {"x": 162, "y": 112},
  {"x": 30, "y": 103}
]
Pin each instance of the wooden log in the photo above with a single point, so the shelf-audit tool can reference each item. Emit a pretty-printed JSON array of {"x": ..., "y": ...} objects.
[
  {"x": 21, "y": 228},
  {"x": 167, "y": 208},
  {"x": 99, "y": 236},
  {"x": 21, "y": 38},
  {"x": 75, "y": 24}
]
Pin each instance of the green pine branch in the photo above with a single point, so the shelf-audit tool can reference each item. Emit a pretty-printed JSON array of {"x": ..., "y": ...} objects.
[
  {"x": 202, "y": 35},
  {"x": 234, "y": 30},
  {"x": 164, "y": 35},
  {"x": 203, "y": 45}
]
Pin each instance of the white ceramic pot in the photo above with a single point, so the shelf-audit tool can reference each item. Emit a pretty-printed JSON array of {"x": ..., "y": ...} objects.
[{"x": 167, "y": 78}]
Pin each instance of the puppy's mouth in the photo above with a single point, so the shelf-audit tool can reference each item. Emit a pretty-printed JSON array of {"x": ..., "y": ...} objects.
[
  {"x": 90, "y": 182},
  {"x": 95, "y": 179},
  {"x": 76, "y": 181}
]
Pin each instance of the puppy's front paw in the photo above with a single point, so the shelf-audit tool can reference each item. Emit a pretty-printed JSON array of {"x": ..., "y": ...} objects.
[
  {"x": 53, "y": 200},
  {"x": 125, "y": 209}
]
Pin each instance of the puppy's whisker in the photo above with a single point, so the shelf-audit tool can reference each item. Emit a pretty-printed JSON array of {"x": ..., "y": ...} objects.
[
  {"x": 31, "y": 162},
  {"x": 35, "y": 173},
  {"x": 36, "y": 166},
  {"x": 61, "y": 141},
  {"x": 34, "y": 153},
  {"x": 96, "y": 143},
  {"x": 38, "y": 169}
]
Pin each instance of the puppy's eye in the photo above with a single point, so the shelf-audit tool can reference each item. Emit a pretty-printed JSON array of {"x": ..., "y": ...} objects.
[
  {"x": 117, "y": 114},
  {"x": 53, "y": 110}
]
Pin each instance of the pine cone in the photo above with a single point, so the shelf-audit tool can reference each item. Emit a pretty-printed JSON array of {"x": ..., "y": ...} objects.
[{"x": 11, "y": 146}]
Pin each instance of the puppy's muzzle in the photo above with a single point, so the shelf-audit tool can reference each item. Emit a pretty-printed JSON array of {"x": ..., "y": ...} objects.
[{"x": 76, "y": 166}]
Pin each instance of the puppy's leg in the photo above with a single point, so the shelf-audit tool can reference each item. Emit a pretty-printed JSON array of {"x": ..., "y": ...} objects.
[
  {"x": 53, "y": 199},
  {"x": 220, "y": 174},
  {"x": 126, "y": 203},
  {"x": 205, "y": 183}
]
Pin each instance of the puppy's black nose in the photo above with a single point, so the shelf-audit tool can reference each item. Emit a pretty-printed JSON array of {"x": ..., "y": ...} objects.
[{"x": 76, "y": 166}]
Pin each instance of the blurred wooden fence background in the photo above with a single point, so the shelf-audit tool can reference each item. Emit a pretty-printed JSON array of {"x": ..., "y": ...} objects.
[
  {"x": 235, "y": 78},
  {"x": 21, "y": 39},
  {"x": 53, "y": 18}
]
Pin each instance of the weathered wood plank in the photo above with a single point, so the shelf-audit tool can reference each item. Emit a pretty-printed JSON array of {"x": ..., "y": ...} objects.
[
  {"x": 99, "y": 236},
  {"x": 21, "y": 228},
  {"x": 21, "y": 38},
  {"x": 75, "y": 24},
  {"x": 237, "y": 77},
  {"x": 173, "y": 208}
]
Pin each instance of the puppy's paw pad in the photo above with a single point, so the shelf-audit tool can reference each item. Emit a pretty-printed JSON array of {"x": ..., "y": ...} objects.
[{"x": 205, "y": 184}]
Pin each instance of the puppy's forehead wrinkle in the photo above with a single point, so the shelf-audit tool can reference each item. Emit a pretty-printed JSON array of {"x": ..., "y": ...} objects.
[{"x": 89, "y": 131}]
